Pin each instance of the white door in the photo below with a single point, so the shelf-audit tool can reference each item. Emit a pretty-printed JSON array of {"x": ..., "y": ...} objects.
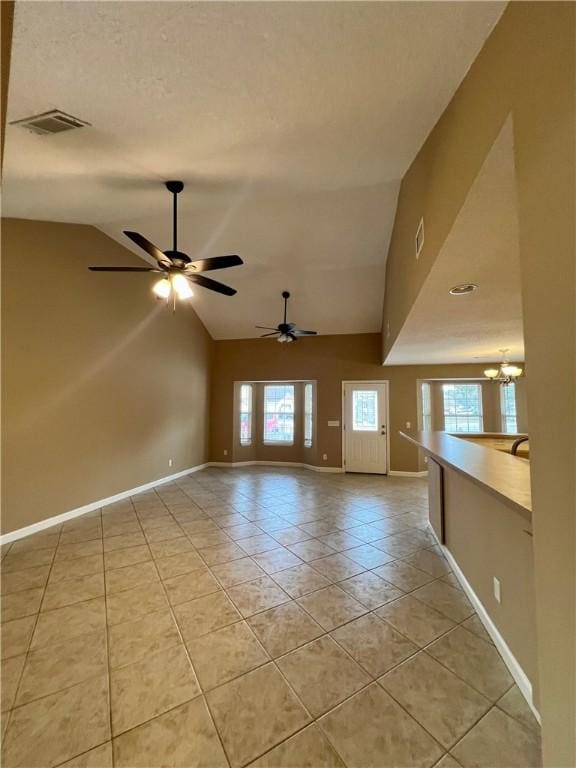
[{"x": 365, "y": 413}]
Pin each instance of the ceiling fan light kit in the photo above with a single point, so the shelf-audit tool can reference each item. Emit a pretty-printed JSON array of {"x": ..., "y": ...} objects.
[
  {"x": 178, "y": 269},
  {"x": 285, "y": 332}
]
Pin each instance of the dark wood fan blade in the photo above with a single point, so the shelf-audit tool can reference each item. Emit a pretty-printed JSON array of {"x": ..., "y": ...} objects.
[
  {"x": 274, "y": 333},
  {"x": 217, "y": 262},
  {"x": 300, "y": 332},
  {"x": 212, "y": 285},
  {"x": 266, "y": 328},
  {"x": 124, "y": 269},
  {"x": 150, "y": 249}
]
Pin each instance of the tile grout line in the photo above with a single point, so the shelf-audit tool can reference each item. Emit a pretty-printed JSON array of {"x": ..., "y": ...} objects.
[
  {"x": 29, "y": 644},
  {"x": 185, "y": 647},
  {"x": 269, "y": 661},
  {"x": 109, "y": 668},
  {"x": 48, "y": 645}
]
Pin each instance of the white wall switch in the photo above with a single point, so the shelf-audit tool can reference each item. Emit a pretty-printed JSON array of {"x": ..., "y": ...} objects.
[
  {"x": 497, "y": 590},
  {"x": 325, "y": 456},
  {"x": 408, "y": 425},
  {"x": 334, "y": 423}
]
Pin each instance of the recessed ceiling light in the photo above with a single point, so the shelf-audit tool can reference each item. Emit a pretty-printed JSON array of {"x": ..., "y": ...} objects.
[{"x": 460, "y": 290}]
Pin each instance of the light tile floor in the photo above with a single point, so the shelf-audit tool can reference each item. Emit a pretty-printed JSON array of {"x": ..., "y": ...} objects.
[{"x": 258, "y": 617}]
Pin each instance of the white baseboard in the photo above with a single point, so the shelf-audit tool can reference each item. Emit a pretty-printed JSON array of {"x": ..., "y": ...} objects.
[
  {"x": 296, "y": 464},
  {"x": 332, "y": 470},
  {"x": 28, "y": 530},
  {"x": 400, "y": 473},
  {"x": 520, "y": 677}
]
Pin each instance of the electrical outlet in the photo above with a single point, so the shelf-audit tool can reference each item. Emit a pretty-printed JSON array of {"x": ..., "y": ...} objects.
[
  {"x": 408, "y": 425},
  {"x": 169, "y": 462},
  {"x": 497, "y": 590},
  {"x": 325, "y": 457},
  {"x": 225, "y": 451}
]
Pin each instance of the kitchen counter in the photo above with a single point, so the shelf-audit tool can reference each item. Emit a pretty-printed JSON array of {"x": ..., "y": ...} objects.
[{"x": 501, "y": 474}]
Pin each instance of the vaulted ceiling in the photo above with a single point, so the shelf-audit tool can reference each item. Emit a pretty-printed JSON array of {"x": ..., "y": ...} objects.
[{"x": 292, "y": 125}]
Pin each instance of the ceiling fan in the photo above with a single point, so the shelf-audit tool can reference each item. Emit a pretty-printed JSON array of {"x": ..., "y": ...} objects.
[
  {"x": 177, "y": 268},
  {"x": 285, "y": 331}
]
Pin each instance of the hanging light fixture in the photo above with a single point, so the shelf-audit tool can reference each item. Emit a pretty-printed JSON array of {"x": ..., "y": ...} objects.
[
  {"x": 506, "y": 373},
  {"x": 175, "y": 283},
  {"x": 162, "y": 288},
  {"x": 181, "y": 286}
]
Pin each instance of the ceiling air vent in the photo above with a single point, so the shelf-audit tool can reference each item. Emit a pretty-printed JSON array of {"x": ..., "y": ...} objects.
[{"x": 53, "y": 121}]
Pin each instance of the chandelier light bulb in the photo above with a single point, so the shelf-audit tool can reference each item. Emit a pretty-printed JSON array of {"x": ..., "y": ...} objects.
[{"x": 491, "y": 373}]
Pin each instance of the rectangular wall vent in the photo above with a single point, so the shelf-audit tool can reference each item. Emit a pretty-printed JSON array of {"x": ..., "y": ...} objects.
[{"x": 53, "y": 121}]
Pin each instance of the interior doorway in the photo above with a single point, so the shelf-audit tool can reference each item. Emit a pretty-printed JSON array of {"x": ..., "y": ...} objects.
[{"x": 365, "y": 440}]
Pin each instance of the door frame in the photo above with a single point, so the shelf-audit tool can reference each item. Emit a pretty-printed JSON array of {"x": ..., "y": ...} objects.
[{"x": 386, "y": 384}]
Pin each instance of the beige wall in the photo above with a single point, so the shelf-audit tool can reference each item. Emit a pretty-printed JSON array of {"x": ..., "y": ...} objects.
[
  {"x": 102, "y": 384},
  {"x": 328, "y": 360},
  {"x": 526, "y": 69},
  {"x": 490, "y": 539}
]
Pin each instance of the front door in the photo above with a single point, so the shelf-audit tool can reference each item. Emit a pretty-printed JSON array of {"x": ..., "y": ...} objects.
[{"x": 365, "y": 412}]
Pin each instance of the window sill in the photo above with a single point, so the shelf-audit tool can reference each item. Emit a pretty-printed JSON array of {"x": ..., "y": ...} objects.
[{"x": 277, "y": 443}]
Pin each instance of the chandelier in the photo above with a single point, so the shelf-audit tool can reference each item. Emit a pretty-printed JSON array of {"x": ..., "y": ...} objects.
[{"x": 506, "y": 373}]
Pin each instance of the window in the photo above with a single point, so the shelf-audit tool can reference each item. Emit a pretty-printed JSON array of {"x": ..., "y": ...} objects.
[
  {"x": 462, "y": 407},
  {"x": 308, "y": 415},
  {"x": 365, "y": 410},
  {"x": 279, "y": 414},
  {"x": 508, "y": 407},
  {"x": 426, "y": 406},
  {"x": 246, "y": 414}
]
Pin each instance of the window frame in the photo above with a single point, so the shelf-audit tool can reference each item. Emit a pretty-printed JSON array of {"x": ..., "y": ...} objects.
[
  {"x": 308, "y": 414},
  {"x": 504, "y": 415},
  {"x": 455, "y": 416},
  {"x": 270, "y": 385},
  {"x": 426, "y": 405},
  {"x": 246, "y": 442}
]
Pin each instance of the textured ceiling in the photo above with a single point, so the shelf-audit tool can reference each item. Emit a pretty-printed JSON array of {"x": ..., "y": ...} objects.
[
  {"x": 482, "y": 248},
  {"x": 292, "y": 124}
]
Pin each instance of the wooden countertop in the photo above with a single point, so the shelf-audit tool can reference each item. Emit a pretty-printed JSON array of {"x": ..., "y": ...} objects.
[{"x": 506, "y": 476}]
